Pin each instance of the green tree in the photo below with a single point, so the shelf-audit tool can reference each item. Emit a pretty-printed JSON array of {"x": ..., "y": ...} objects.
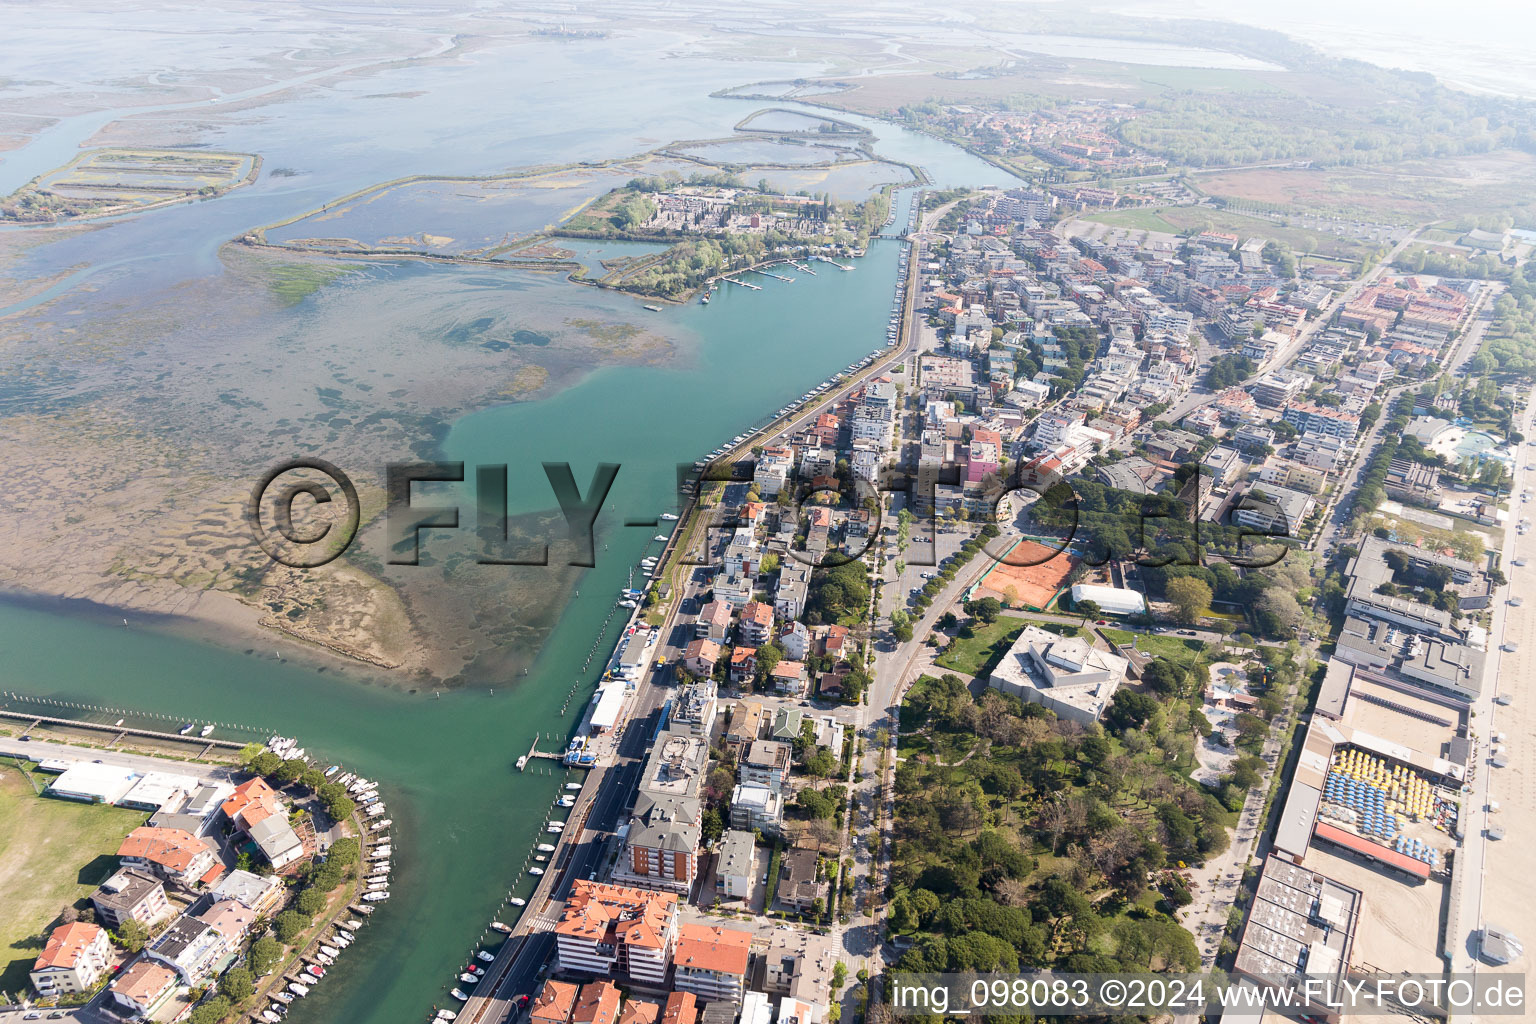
[
  {"x": 312, "y": 779},
  {"x": 288, "y": 926},
  {"x": 237, "y": 984},
  {"x": 266, "y": 953},
  {"x": 1190, "y": 597},
  {"x": 310, "y": 902},
  {"x": 132, "y": 935},
  {"x": 211, "y": 1011},
  {"x": 343, "y": 851},
  {"x": 1088, "y": 609},
  {"x": 290, "y": 771}
]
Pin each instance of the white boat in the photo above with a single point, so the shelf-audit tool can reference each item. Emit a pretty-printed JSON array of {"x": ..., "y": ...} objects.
[
  {"x": 486, "y": 955},
  {"x": 535, "y": 870},
  {"x": 299, "y": 990},
  {"x": 627, "y": 604},
  {"x": 668, "y": 516},
  {"x": 365, "y": 911},
  {"x": 332, "y": 770},
  {"x": 446, "y": 1015},
  {"x": 353, "y": 924},
  {"x": 469, "y": 979},
  {"x": 517, "y": 901},
  {"x": 375, "y": 810},
  {"x": 184, "y": 729},
  {"x": 542, "y": 858},
  {"x": 206, "y": 730},
  {"x": 460, "y": 996},
  {"x": 346, "y": 933},
  {"x": 381, "y": 826},
  {"x": 374, "y": 897},
  {"x": 653, "y": 309},
  {"x": 574, "y": 787},
  {"x": 504, "y": 929},
  {"x": 330, "y": 951},
  {"x": 660, "y": 537},
  {"x": 282, "y": 997},
  {"x": 340, "y": 942},
  {"x": 382, "y": 853},
  {"x": 270, "y": 1017},
  {"x": 555, "y": 826},
  {"x": 567, "y": 801}
]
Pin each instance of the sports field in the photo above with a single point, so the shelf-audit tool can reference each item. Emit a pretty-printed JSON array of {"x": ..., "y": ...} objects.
[
  {"x": 52, "y": 853},
  {"x": 1028, "y": 576}
]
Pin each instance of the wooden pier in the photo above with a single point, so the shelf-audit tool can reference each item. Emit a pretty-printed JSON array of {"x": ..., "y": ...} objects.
[{"x": 533, "y": 752}]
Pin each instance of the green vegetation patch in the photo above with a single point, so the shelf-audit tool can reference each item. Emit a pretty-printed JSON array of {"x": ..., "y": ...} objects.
[
  {"x": 979, "y": 653},
  {"x": 53, "y": 854}
]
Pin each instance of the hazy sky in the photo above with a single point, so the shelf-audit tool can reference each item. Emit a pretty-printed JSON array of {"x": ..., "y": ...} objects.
[{"x": 1483, "y": 44}]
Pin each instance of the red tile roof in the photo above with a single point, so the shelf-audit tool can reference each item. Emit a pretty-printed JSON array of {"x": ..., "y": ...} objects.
[
  {"x": 640, "y": 1011},
  {"x": 681, "y": 1008},
  {"x": 597, "y": 911},
  {"x": 66, "y": 944},
  {"x": 173, "y": 848},
  {"x": 712, "y": 948},
  {"x": 598, "y": 1003},
  {"x": 143, "y": 981},
  {"x": 554, "y": 1003}
]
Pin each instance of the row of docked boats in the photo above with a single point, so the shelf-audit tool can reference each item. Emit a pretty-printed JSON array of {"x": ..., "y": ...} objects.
[{"x": 342, "y": 935}]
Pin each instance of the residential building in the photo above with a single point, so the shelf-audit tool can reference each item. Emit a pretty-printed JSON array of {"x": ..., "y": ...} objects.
[
  {"x": 597, "y": 1003},
  {"x": 1273, "y": 511},
  {"x": 695, "y": 706},
  {"x": 1321, "y": 419},
  {"x": 130, "y": 895},
  {"x": 74, "y": 960},
  {"x": 699, "y": 657},
  {"x": 747, "y": 720},
  {"x": 639, "y": 1011},
  {"x": 231, "y": 920},
  {"x": 173, "y": 854},
  {"x": 255, "y": 809},
  {"x": 1275, "y": 390},
  {"x": 735, "y": 591},
  {"x": 798, "y": 886},
  {"x": 766, "y": 763},
  {"x": 757, "y": 808},
  {"x": 795, "y": 640},
  {"x": 143, "y": 988},
  {"x": 736, "y": 864},
  {"x": 714, "y": 622},
  {"x": 711, "y": 961},
  {"x": 682, "y": 1008},
  {"x": 789, "y": 598},
  {"x": 743, "y": 666},
  {"x": 756, "y": 626},
  {"x": 190, "y": 948},
  {"x": 788, "y": 677},
  {"x": 554, "y": 1003},
  {"x": 610, "y": 929},
  {"x": 661, "y": 849},
  {"x": 262, "y": 893}
]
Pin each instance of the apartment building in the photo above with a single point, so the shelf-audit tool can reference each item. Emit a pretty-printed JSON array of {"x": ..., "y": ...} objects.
[
  {"x": 610, "y": 929},
  {"x": 75, "y": 959},
  {"x": 711, "y": 962},
  {"x": 130, "y": 895}
]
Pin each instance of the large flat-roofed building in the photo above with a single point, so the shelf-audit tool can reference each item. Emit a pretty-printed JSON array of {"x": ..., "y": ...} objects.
[
  {"x": 1301, "y": 924},
  {"x": 1446, "y": 666},
  {"x": 614, "y": 929},
  {"x": 1067, "y": 675},
  {"x": 191, "y": 948},
  {"x": 94, "y": 783},
  {"x": 1112, "y": 600}
]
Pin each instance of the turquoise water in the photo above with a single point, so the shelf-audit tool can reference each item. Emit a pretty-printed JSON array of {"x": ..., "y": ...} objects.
[{"x": 464, "y": 817}]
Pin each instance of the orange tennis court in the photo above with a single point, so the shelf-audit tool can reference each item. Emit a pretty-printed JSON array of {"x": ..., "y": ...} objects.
[{"x": 1029, "y": 575}]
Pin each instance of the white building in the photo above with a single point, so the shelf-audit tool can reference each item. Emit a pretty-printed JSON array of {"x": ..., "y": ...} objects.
[
  {"x": 75, "y": 959},
  {"x": 1067, "y": 675},
  {"x": 736, "y": 864},
  {"x": 1111, "y": 600},
  {"x": 93, "y": 783}
]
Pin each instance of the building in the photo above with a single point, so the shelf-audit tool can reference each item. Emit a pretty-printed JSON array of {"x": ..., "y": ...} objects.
[
  {"x": 554, "y": 1003},
  {"x": 255, "y": 809},
  {"x": 262, "y": 893},
  {"x": 75, "y": 959},
  {"x": 232, "y": 920},
  {"x": 757, "y": 808},
  {"x": 736, "y": 864},
  {"x": 597, "y": 1003},
  {"x": 143, "y": 988},
  {"x": 756, "y": 626},
  {"x": 1111, "y": 600},
  {"x": 190, "y": 948},
  {"x": 1442, "y": 665},
  {"x": 766, "y": 763},
  {"x": 747, "y": 719},
  {"x": 1301, "y": 925},
  {"x": 130, "y": 895},
  {"x": 93, "y": 783},
  {"x": 639, "y": 1011},
  {"x": 1273, "y": 511},
  {"x": 711, "y": 961},
  {"x": 1413, "y": 482},
  {"x": 681, "y": 1008},
  {"x": 1320, "y": 419},
  {"x": 714, "y": 622},
  {"x": 1275, "y": 390},
  {"x": 798, "y": 886},
  {"x": 794, "y": 584},
  {"x": 695, "y": 707},
  {"x": 172, "y": 854},
  {"x": 661, "y": 849},
  {"x": 699, "y": 657},
  {"x": 611, "y": 929},
  {"x": 1067, "y": 675}
]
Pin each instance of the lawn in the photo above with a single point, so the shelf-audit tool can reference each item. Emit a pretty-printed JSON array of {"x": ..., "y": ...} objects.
[
  {"x": 977, "y": 655},
  {"x": 52, "y": 853},
  {"x": 1171, "y": 647}
]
